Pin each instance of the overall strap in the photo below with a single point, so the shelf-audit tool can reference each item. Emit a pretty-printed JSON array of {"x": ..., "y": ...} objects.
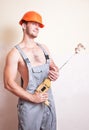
[
  {"x": 25, "y": 58},
  {"x": 45, "y": 53}
]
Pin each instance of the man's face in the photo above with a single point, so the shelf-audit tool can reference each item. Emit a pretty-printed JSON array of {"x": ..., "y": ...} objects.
[{"x": 32, "y": 29}]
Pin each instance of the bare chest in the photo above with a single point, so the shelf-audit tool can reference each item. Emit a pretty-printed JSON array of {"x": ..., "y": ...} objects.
[{"x": 36, "y": 56}]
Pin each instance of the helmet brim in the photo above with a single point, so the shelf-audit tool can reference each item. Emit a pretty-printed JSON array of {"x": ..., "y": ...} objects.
[{"x": 22, "y": 21}]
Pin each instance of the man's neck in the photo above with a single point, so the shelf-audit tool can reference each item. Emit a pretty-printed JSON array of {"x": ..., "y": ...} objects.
[{"x": 28, "y": 42}]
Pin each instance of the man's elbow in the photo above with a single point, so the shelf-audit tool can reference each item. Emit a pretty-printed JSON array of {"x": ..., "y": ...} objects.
[{"x": 7, "y": 85}]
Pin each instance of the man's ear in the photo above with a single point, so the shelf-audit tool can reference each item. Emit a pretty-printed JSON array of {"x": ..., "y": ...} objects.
[{"x": 23, "y": 26}]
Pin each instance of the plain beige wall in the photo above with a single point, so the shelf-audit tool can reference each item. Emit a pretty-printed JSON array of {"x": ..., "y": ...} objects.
[{"x": 66, "y": 25}]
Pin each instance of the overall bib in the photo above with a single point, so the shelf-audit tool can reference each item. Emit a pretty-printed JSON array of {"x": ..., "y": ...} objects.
[{"x": 33, "y": 116}]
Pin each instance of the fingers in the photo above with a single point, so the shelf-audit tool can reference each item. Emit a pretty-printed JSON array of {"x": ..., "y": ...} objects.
[
  {"x": 53, "y": 75},
  {"x": 44, "y": 96},
  {"x": 40, "y": 97}
]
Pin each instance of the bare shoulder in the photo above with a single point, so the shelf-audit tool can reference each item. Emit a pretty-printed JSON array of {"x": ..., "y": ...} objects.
[
  {"x": 13, "y": 55},
  {"x": 46, "y": 48}
]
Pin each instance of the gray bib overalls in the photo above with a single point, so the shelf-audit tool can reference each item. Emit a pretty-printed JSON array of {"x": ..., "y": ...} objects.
[{"x": 34, "y": 116}]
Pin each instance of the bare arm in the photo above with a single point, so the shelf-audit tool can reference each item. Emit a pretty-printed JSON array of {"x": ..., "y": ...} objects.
[
  {"x": 53, "y": 69},
  {"x": 10, "y": 72}
]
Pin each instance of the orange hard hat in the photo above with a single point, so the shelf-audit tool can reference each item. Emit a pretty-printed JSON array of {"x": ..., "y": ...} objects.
[{"x": 32, "y": 16}]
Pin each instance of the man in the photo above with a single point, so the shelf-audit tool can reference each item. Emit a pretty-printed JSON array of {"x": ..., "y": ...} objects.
[{"x": 33, "y": 62}]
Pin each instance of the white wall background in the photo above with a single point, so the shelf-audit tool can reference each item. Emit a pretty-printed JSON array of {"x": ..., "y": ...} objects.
[{"x": 66, "y": 25}]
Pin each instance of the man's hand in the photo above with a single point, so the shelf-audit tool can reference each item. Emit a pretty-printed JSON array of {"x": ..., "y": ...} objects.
[
  {"x": 53, "y": 73},
  {"x": 39, "y": 97}
]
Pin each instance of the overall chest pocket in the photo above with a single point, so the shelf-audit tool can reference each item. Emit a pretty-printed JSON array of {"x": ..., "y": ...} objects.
[{"x": 38, "y": 73}]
